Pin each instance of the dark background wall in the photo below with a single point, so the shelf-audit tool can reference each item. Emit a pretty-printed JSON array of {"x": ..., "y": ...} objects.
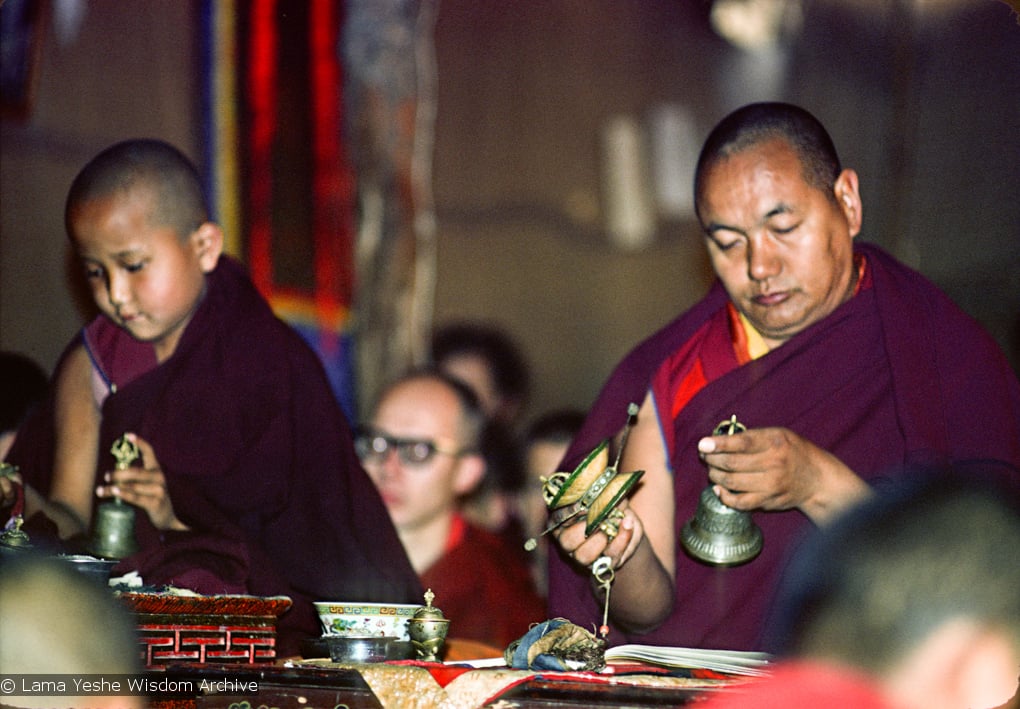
[{"x": 926, "y": 106}]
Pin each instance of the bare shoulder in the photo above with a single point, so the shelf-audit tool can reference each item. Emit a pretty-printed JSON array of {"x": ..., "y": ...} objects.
[
  {"x": 73, "y": 380},
  {"x": 77, "y": 420},
  {"x": 74, "y": 398}
]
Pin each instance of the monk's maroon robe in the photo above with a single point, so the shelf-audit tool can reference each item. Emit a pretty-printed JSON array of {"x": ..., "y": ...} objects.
[
  {"x": 896, "y": 379},
  {"x": 258, "y": 461}
]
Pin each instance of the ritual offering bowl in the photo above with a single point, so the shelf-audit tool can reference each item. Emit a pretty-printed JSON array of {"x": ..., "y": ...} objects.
[
  {"x": 372, "y": 648},
  {"x": 356, "y": 619},
  {"x": 94, "y": 568}
]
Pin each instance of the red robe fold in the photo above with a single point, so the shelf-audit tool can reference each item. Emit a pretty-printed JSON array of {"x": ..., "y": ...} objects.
[
  {"x": 484, "y": 587},
  {"x": 895, "y": 379},
  {"x": 258, "y": 461}
]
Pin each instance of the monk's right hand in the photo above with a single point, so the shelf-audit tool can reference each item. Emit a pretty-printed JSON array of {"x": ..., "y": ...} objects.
[
  {"x": 9, "y": 490},
  {"x": 8, "y": 494},
  {"x": 144, "y": 486}
]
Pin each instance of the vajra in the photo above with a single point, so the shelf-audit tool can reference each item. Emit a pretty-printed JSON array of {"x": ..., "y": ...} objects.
[{"x": 593, "y": 490}]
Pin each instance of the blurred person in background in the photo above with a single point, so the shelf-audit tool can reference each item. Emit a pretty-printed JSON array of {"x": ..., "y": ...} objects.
[
  {"x": 420, "y": 446},
  {"x": 545, "y": 442},
  {"x": 485, "y": 358},
  {"x": 23, "y": 384}
]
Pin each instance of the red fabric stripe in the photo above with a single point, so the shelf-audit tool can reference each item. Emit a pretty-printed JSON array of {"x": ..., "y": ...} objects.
[
  {"x": 690, "y": 385},
  {"x": 333, "y": 184},
  {"x": 331, "y": 190},
  {"x": 262, "y": 78},
  {"x": 458, "y": 528}
]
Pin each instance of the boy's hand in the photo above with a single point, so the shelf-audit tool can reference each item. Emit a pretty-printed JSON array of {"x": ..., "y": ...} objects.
[
  {"x": 9, "y": 489},
  {"x": 145, "y": 486}
]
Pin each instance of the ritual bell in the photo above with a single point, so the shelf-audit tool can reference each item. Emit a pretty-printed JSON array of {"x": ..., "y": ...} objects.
[
  {"x": 13, "y": 537},
  {"x": 717, "y": 534},
  {"x": 113, "y": 533}
]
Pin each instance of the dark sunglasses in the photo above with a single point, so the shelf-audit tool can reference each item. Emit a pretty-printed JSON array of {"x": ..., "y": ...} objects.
[{"x": 375, "y": 446}]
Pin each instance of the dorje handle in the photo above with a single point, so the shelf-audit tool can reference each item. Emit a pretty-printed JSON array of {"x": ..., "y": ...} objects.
[{"x": 125, "y": 452}]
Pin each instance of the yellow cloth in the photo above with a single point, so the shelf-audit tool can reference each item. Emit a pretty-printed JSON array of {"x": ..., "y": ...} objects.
[
  {"x": 413, "y": 687},
  {"x": 756, "y": 346}
]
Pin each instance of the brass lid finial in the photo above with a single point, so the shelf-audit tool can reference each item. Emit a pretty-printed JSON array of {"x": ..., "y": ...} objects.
[{"x": 428, "y": 610}]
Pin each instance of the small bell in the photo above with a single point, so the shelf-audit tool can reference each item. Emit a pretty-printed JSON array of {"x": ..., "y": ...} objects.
[
  {"x": 428, "y": 629},
  {"x": 717, "y": 534},
  {"x": 113, "y": 534},
  {"x": 13, "y": 537}
]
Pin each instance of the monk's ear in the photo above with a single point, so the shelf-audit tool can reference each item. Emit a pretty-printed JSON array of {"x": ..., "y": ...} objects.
[
  {"x": 207, "y": 241},
  {"x": 470, "y": 471},
  {"x": 962, "y": 662},
  {"x": 986, "y": 674},
  {"x": 848, "y": 196}
]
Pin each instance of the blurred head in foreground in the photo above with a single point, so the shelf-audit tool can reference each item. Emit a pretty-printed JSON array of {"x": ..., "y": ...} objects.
[
  {"x": 57, "y": 621},
  {"x": 920, "y": 590}
]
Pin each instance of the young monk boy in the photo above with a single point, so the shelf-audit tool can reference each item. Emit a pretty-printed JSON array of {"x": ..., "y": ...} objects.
[{"x": 247, "y": 480}]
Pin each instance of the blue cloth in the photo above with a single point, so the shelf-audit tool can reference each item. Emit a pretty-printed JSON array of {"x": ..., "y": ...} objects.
[{"x": 543, "y": 661}]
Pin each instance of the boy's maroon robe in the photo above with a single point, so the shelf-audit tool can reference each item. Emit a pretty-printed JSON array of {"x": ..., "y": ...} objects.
[
  {"x": 898, "y": 377},
  {"x": 258, "y": 461}
]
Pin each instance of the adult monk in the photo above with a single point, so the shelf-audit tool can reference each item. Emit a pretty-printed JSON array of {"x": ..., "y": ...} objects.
[
  {"x": 845, "y": 366},
  {"x": 248, "y": 481}
]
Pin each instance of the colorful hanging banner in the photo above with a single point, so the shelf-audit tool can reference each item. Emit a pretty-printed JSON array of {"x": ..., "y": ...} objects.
[{"x": 278, "y": 174}]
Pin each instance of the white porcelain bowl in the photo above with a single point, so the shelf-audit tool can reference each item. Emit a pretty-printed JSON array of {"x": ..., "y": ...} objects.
[{"x": 355, "y": 619}]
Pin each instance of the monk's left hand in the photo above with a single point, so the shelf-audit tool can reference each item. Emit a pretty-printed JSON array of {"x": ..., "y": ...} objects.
[
  {"x": 777, "y": 469},
  {"x": 143, "y": 485},
  {"x": 585, "y": 550}
]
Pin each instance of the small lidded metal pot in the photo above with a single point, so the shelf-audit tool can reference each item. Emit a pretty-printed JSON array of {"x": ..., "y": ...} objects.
[{"x": 428, "y": 629}]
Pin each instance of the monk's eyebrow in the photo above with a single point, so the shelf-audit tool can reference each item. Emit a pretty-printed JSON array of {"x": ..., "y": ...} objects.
[
  {"x": 714, "y": 227},
  {"x": 781, "y": 208},
  {"x": 128, "y": 253}
]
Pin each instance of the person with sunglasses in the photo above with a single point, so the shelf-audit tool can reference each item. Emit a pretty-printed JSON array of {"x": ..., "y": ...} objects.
[{"x": 421, "y": 449}]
